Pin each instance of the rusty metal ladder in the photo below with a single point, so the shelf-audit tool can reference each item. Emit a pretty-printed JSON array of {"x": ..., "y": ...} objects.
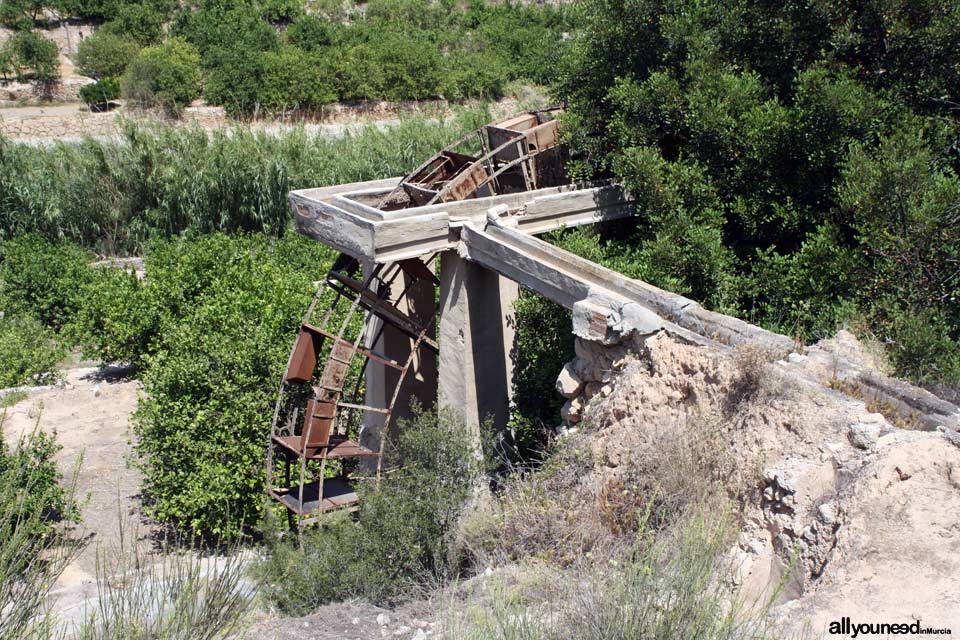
[{"x": 324, "y": 433}]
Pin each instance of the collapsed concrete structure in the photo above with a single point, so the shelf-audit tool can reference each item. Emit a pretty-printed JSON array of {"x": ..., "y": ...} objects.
[{"x": 466, "y": 224}]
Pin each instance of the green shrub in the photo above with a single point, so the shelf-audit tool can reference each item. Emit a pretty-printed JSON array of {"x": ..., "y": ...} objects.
[
  {"x": 33, "y": 551},
  {"x": 42, "y": 279},
  {"x": 401, "y": 544},
  {"x": 166, "y": 75},
  {"x": 139, "y": 22},
  {"x": 797, "y": 188},
  {"x": 228, "y": 310},
  {"x": 282, "y": 11},
  {"x": 309, "y": 33},
  {"x": 31, "y": 51},
  {"x": 29, "y": 469},
  {"x": 29, "y": 352},
  {"x": 119, "y": 319},
  {"x": 100, "y": 92},
  {"x": 251, "y": 83},
  {"x": 543, "y": 345},
  {"x": 104, "y": 55}
]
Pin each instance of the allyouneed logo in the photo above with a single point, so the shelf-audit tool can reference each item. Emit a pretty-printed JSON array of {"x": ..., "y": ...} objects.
[{"x": 844, "y": 626}]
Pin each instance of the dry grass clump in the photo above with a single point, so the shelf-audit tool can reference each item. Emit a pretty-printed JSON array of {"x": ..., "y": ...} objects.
[
  {"x": 752, "y": 364},
  {"x": 548, "y": 514},
  {"x": 669, "y": 583},
  {"x": 177, "y": 594}
]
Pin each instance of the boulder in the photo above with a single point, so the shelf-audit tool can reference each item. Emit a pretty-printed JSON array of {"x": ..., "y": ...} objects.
[
  {"x": 864, "y": 435},
  {"x": 569, "y": 383}
]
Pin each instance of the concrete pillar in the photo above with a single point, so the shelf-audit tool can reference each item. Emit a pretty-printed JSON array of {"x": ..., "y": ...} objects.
[
  {"x": 381, "y": 380},
  {"x": 476, "y": 340}
]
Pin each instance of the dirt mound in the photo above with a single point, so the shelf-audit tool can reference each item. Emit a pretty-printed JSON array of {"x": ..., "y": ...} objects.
[{"x": 844, "y": 513}]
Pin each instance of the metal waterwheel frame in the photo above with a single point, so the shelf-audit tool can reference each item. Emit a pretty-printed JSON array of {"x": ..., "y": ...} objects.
[{"x": 302, "y": 518}]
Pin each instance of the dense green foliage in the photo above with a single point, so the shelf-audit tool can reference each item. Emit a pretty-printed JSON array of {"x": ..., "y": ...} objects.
[
  {"x": 29, "y": 469},
  {"x": 210, "y": 329},
  {"x": 113, "y": 196},
  {"x": 99, "y": 94},
  {"x": 29, "y": 352},
  {"x": 270, "y": 56},
  {"x": 794, "y": 163},
  {"x": 26, "y": 55},
  {"x": 402, "y": 541},
  {"x": 104, "y": 55},
  {"x": 396, "y": 50},
  {"x": 543, "y": 345},
  {"x": 165, "y": 75},
  {"x": 42, "y": 279}
]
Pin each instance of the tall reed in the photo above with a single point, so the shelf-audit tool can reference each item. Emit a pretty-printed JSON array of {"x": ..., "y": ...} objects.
[{"x": 157, "y": 180}]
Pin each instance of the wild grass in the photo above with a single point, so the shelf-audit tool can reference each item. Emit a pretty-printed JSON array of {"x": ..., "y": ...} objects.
[
  {"x": 34, "y": 547},
  {"x": 667, "y": 585},
  {"x": 176, "y": 594},
  {"x": 12, "y": 398},
  {"x": 112, "y": 196}
]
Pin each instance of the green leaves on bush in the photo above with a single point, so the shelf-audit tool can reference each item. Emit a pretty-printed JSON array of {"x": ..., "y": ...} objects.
[
  {"x": 104, "y": 55},
  {"x": 30, "y": 487},
  {"x": 222, "y": 313},
  {"x": 165, "y": 75},
  {"x": 100, "y": 93},
  {"x": 29, "y": 352},
  {"x": 30, "y": 56},
  {"x": 42, "y": 279},
  {"x": 402, "y": 541},
  {"x": 797, "y": 167}
]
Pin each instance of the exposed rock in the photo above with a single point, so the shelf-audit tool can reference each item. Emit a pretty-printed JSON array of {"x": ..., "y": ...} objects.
[
  {"x": 854, "y": 515},
  {"x": 569, "y": 383},
  {"x": 827, "y": 513},
  {"x": 571, "y": 411},
  {"x": 864, "y": 435}
]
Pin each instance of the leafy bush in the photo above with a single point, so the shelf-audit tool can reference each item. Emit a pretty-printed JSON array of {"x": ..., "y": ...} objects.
[
  {"x": 309, "y": 33},
  {"x": 104, "y": 55},
  {"x": 100, "y": 92},
  {"x": 229, "y": 308},
  {"x": 254, "y": 83},
  {"x": 402, "y": 540},
  {"x": 141, "y": 22},
  {"x": 543, "y": 345},
  {"x": 26, "y": 50},
  {"x": 29, "y": 352},
  {"x": 798, "y": 188},
  {"x": 33, "y": 552},
  {"x": 166, "y": 75},
  {"x": 42, "y": 279},
  {"x": 29, "y": 469},
  {"x": 119, "y": 319}
]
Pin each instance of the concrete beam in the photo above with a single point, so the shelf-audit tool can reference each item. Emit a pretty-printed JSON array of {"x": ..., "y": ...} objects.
[
  {"x": 344, "y": 218},
  {"x": 606, "y": 304}
]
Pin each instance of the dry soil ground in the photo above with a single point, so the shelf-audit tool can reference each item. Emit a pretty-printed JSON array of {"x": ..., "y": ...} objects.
[{"x": 90, "y": 414}]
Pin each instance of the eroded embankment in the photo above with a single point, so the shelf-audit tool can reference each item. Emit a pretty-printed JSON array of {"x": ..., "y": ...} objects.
[{"x": 863, "y": 510}]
